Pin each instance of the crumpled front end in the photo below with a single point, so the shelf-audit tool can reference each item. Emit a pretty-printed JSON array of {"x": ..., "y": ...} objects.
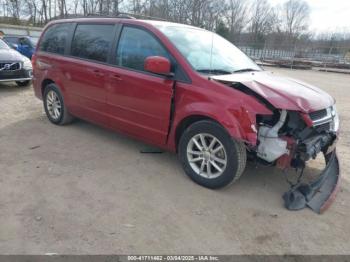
[
  {"x": 304, "y": 123},
  {"x": 290, "y": 139},
  {"x": 319, "y": 194}
]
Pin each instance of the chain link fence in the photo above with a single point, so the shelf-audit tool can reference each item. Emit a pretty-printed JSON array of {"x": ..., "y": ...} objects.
[{"x": 301, "y": 57}]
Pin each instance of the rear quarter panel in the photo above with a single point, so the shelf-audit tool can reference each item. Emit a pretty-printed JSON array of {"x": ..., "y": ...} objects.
[{"x": 48, "y": 67}]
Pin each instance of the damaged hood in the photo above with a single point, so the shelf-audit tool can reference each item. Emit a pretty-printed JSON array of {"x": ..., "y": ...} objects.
[{"x": 281, "y": 92}]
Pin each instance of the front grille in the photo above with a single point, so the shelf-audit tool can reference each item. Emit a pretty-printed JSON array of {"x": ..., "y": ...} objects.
[
  {"x": 13, "y": 74},
  {"x": 322, "y": 120},
  {"x": 10, "y": 66},
  {"x": 321, "y": 117},
  {"x": 324, "y": 127},
  {"x": 318, "y": 114}
]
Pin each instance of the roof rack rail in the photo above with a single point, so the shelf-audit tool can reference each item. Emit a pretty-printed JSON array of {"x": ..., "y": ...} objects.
[
  {"x": 137, "y": 16},
  {"x": 99, "y": 15},
  {"x": 126, "y": 16}
]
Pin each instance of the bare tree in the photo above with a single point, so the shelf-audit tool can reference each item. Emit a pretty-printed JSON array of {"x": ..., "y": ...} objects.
[
  {"x": 14, "y": 9},
  {"x": 138, "y": 6},
  {"x": 31, "y": 11},
  {"x": 236, "y": 15},
  {"x": 262, "y": 20},
  {"x": 180, "y": 11},
  {"x": 213, "y": 15},
  {"x": 62, "y": 7},
  {"x": 239, "y": 20},
  {"x": 116, "y": 6},
  {"x": 160, "y": 8},
  {"x": 296, "y": 17},
  {"x": 44, "y": 10}
]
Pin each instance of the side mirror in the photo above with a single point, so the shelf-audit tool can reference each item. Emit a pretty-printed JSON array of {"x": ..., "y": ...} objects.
[{"x": 158, "y": 65}]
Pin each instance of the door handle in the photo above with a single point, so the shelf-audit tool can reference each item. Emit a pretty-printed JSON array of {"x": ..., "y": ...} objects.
[{"x": 116, "y": 77}]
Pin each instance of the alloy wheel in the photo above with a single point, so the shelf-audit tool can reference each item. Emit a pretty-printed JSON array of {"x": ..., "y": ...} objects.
[
  {"x": 206, "y": 156},
  {"x": 53, "y": 104}
]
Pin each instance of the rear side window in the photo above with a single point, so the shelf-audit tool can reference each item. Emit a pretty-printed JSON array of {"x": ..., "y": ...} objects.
[
  {"x": 135, "y": 45},
  {"x": 92, "y": 41},
  {"x": 25, "y": 41},
  {"x": 11, "y": 40},
  {"x": 55, "y": 38}
]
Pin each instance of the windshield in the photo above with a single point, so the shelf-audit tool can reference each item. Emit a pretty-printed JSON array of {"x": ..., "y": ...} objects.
[
  {"x": 207, "y": 52},
  {"x": 3, "y": 45}
]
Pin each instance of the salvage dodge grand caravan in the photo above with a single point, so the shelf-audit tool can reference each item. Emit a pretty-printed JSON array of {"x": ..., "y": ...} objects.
[{"x": 188, "y": 90}]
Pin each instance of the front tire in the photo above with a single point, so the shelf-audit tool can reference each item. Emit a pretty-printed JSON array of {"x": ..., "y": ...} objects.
[
  {"x": 55, "y": 108},
  {"x": 23, "y": 83},
  {"x": 210, "y": 157}
]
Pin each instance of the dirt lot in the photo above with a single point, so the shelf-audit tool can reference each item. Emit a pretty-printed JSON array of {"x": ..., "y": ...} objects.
[{"x": 82, "y": 189}]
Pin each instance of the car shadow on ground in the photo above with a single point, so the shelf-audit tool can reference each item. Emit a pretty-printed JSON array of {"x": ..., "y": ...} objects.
[
  {"x": 11, "y": 88},
  {"x": 85, "y": 146}
]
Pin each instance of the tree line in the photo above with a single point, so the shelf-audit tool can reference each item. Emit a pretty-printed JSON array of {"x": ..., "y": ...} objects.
[{"x": 256, "y": 22}]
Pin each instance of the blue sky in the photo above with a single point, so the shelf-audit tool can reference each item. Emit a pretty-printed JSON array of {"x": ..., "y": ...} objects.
[{"x": 327, "y": 15}]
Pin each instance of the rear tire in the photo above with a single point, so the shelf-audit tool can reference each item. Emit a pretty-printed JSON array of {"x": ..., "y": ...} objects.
[
  {"x": 55, "y": 108},
  {"x": 23, "y": 83},
  {"x": 209, "y": 155}
]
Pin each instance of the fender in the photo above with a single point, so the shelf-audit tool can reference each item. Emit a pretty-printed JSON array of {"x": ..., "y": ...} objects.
[
  {"x": 240, "y": 121},
  {"x": 48, "y": 75}
]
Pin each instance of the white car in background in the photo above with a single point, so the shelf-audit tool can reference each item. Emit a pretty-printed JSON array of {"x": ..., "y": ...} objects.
[{"x": 14, "y": 67}]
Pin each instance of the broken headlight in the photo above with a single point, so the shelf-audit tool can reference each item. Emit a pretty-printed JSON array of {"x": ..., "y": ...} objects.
[{"x": 335, "y": 117}]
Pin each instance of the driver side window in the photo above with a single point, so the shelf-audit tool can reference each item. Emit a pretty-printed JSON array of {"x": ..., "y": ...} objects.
[{"x": 135, "y": 45}]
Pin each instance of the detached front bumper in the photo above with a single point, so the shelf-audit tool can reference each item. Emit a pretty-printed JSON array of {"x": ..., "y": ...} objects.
[
  {"x": 16, "y": 75},
  {"x": 320, "y": 193}
]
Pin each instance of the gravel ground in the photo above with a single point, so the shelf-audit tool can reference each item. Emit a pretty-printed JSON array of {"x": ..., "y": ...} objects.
[{"x": 81, "y": 189}]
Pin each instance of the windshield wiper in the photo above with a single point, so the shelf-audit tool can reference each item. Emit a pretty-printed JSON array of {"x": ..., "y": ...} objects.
[
  {"x": 214, "y": 71},
  {"x": 245, "y": 70}
]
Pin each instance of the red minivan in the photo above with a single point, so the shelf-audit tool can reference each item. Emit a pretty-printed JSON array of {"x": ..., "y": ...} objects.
[{"x": 190, "y": 91}]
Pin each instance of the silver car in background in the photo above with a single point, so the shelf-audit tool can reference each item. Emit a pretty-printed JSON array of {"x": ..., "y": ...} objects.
[{"x": 14, "y": 66}]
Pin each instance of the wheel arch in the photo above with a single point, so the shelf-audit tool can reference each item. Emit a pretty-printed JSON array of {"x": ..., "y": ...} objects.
[
  {"x": 185, "y": 123},
  {"x": 45, "y": 83},
  {"x": 188, "y": 121}
]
